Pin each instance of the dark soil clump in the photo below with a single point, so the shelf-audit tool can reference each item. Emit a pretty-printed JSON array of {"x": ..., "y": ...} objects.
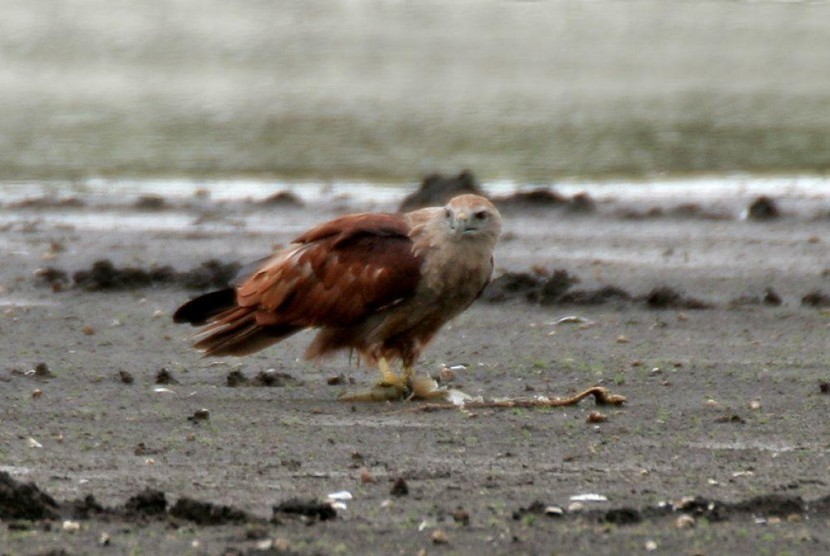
[
  {"x": 205, "y": 513},
  {"x": 274, "y": 379},
  {"x": 281, "y": 199},
  {"x": 24, "y": 501},
  {"x": 665, "y": 297},
  {"x": 596, "y": 297},
  {"x": 437, "y": 189},
  {"x": 536, "y": 198},
  {"x": 86, "y": 508},
  {"x": 763, "y": 208},
  {"x": 236, "y": 378},
  {"x": 165, "y": 377},
  {"x": 151, "y": 203},
  {"x": 817, "y": 299},
  {"x": 312, "y": 509},
  {"x": 148, "y": 503},
  {"x": 399, "y": 487},
  {"x": 105, "y": 276}
]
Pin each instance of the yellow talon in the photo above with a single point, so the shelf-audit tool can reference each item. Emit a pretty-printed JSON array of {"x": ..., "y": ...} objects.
[{"x": 390, "y": 378}]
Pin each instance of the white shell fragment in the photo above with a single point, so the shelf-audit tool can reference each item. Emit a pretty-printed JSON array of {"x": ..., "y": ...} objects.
[
  {"x": 33, "y": 443},
  {"x": 337, "y": 500},
  {"x": 340, "y": 495},
  {"x": 572, "y": 319},
  {"x": 589, "y": 497}
]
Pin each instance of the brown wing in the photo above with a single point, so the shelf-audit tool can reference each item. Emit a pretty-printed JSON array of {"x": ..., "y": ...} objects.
[
  {"x": 333, "y": 275},
  {"x": 336, "y": 274}
]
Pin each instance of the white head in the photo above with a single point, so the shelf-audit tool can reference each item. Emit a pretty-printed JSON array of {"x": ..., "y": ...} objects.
[{"x": 472, "y": 217}]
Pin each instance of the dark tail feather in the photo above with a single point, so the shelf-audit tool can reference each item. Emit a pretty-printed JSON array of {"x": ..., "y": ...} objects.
[
  {"x": 201, "y": 310},
  {"x": 232, "y": 330},
  {"x": 243, "y": 337}
]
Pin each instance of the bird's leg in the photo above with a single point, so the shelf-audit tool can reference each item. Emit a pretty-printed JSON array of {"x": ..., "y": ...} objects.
[
  {"x": 390, "y": 378},
  {"x": 389, "y": 388}
]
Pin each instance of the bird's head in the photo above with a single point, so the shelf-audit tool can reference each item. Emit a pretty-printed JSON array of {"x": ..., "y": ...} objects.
[{"x": 471, "y": 217}]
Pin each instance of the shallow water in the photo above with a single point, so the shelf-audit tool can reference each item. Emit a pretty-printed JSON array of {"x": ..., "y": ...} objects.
[
  {"x": 223, "y": 206},
  {"x": 526, "y": 91}
]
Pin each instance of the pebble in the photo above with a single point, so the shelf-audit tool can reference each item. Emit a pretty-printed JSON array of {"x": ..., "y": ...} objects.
[{"x": 439, "y": 536}]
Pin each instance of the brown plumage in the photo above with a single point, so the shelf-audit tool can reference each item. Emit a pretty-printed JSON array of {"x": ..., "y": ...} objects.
[{"x": 381, "y": 284}]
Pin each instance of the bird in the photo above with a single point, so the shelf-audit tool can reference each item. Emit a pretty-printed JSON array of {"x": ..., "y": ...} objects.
[{"x": 378, "y": 284}]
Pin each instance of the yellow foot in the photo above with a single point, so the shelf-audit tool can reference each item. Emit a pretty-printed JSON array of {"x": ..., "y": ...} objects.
[
  {"x": 394, "y": 387},
  {"x": 377, "y": 393}
]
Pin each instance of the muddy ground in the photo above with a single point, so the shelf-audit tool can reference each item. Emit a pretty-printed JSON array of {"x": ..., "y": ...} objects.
[{"x": 722, "y": 446}]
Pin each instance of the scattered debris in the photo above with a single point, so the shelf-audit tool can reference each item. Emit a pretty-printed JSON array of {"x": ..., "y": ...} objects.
[
  {"x": 125, "y": 376},
  {"x": 602, "y": 396}
]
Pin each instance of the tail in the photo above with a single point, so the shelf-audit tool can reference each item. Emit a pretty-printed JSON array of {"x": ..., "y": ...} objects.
[{"x": 231, "y": 329}]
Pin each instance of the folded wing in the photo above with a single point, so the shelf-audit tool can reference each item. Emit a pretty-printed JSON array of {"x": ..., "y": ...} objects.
[{"x": 335, "y": 275}]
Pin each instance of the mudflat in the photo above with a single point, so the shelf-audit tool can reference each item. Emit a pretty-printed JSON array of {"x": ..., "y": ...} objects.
[{"x": 715, "y": 329}]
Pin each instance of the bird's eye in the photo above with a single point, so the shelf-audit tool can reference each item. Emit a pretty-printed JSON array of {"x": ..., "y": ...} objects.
[
  {"x": 447, "y": 213},
  {"x": 481, "y": 215}
]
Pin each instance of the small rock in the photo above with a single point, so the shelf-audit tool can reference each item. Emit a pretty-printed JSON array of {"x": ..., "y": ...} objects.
[
  {"x": 575, "y": 507},
  {"x": 650, "y": 546},
  {"x": 684, "y": 521},
  {"x": 366, "y": 476},
  {"x": 622, "y": 339},
  {"x": 596, "y": 417},
  {"x": 461, "y": 516},
  {"x": 37, "y": 393},
  {"x": 71, "y": 526},
  {"x": 125, "y": 376},
  {"x": 88, "y": 330}
]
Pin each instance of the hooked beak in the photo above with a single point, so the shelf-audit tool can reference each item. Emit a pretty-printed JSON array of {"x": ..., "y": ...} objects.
[{"x": 460, "y": 222}]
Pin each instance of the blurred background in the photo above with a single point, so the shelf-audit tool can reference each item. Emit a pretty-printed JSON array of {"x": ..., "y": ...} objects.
[{"x": 389, "y": 91}]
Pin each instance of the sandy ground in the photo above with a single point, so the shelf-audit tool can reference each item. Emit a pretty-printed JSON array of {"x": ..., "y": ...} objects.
[{"x": 724, "y": 404}]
